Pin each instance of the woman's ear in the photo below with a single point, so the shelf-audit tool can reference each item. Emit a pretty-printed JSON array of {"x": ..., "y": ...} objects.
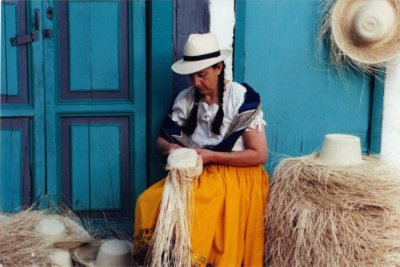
[{"x": 219, "y": 67}]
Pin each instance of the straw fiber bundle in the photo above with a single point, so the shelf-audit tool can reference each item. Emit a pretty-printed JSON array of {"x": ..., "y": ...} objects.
[
  {"x": 333, "y": 216},
  {"x": 21, "y": 244},
  {"x": 170, "y": 245}
]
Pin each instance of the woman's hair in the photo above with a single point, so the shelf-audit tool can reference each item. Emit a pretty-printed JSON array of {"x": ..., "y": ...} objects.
[{"x": 191, "y": 122}]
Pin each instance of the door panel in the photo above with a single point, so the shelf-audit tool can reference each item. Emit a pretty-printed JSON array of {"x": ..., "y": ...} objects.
[
  {"x": 95, "y": 157},
  {"x": 93, "y": 49},
  {"x": 14, "y": 70},
  {"x": 15, "y": 171}
]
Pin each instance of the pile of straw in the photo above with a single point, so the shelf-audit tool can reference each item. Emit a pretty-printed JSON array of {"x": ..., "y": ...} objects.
[
  {"x": 21, "y": 244},
  {"x": 333, "y": 216}
]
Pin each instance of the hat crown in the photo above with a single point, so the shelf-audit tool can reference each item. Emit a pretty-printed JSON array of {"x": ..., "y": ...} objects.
[
  {"x": 113, "y": 252},
  {"x": 374, "y": 21},
  {"x": 182, "y": 158},
  {"x": 340, "y": 150},
  {"x": 200, "y": 44}
]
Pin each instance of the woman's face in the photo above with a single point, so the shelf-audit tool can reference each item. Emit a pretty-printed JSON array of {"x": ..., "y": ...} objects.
[{"x": 206, "y": 80}]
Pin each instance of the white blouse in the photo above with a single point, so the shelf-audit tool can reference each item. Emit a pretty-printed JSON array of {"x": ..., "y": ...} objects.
[{"x": 233, "y": 98}]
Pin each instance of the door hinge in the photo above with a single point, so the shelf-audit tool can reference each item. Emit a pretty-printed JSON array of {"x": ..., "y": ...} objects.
[{"x": 30, "y": 37}]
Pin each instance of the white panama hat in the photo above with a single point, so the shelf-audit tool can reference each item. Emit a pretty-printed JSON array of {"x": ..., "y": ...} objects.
[
  {"x": 367, "y": 31},
  {"x": 340, "y": 150},
  {"x": 60, "y": 258},
  {"x": 200, "y": 51},
  {"x": 104, "y": 253},
  {"x": 52, "y": 230}
]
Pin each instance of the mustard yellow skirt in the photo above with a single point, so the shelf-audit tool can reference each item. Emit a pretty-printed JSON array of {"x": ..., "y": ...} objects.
[{"x": 228, "y": 224}]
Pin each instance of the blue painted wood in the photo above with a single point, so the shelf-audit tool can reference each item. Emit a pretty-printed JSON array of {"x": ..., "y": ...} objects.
[
  {"x": 138, "y": 96},
  {"x": 376, "y": 114},
  {"x": 15, "y": 182},
  {"x": 303, "y": 99},
  {"x": 10, "y": 31},
  {"x": 160, "y": 79},
  {"x": 105, "y": 162},
  {"x": 80, "y": 66},
  {"x": 10, "y": 184},
  {"x": 95, "y": 164},
  {"x": 80, "y": 167},
  {"x": 103, "y": 44},
  {"x": 14, "y": 61},
  {"x": 37, "y": 92},
  {"x": 23, "y": 112},
  {"x": 114, "y": 99},
  {"x": 105, "y": 66}
]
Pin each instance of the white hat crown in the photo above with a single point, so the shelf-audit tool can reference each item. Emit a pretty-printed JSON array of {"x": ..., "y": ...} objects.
[
  {"x": 200, "y": 51},
  {"x": 200, "y": 44},
  {"x": 367, "y": 31},
  {"x": 374, "y": 21},
  {"x": 340, "y": 150}
]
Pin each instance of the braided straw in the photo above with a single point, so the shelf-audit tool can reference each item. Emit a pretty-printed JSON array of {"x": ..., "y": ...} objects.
[{"x": 171, "y": 239}]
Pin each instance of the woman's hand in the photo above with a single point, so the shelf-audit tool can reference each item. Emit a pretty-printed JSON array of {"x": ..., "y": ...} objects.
[{"x": 206, "y": 155}]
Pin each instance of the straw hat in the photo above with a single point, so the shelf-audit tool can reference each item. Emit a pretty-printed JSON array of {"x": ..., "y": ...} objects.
[
  {"x": 61, "y": 232},
  {"x": 340, "y": 150},
  {"x": 104, "y": 253},
  {"x": 183, "y": 158},
  {"x": 367, "y": 31},
  {"x": 200, "y": 51},
  {"x": 60, "y": 258},
  {"x": 52, "y": 229}
]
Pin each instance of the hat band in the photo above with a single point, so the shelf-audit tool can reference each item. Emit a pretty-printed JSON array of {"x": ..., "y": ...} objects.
[{"x": 201, "y": 57}]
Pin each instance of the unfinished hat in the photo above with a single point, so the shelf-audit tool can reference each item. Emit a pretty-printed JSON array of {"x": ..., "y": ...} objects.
[
  {"x": 104, "y": 253},
  {"x": 52, "y": 230},
  {"x": 340, "y": 150},
  {"x": 200, "y": 51},
  {"x": 367, "y": 31},
  {"x": 182, "y": 158},
  {"x": 60, "y": 258}
]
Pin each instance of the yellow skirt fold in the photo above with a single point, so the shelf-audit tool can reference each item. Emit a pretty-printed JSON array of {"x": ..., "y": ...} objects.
[{"x": 228, "y": 223}]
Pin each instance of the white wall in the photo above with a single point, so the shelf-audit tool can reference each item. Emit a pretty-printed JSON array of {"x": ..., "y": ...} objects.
[
  {"x": 222, "y": 23},
  {"x": 390, "y": 143}
]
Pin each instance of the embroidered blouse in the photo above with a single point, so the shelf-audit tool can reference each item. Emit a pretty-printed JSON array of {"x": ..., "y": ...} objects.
[{"x": 233, "y": 98}]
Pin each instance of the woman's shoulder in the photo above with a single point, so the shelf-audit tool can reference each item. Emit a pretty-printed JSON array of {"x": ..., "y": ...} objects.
[
  {"x": 234, "y": 93},
  {"x": 185, "y": 96}
]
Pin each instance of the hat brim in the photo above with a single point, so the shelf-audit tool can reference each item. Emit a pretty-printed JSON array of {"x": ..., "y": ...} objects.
[
  {"x": 188, "y": 67},
  {"x": 344, "y": 37},
  {"x": 87, "y": 253}
]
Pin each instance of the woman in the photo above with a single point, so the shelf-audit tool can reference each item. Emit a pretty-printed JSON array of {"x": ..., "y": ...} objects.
[{"x": 223, "y": 121}]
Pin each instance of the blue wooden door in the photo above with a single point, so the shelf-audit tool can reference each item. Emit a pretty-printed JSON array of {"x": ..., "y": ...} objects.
[{"x": 93, "y": 99}]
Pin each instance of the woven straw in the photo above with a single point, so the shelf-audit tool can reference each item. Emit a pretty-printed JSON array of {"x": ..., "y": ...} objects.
[
  {"x": 336, "y": 24},
  {"x": 333, "y": 216}
]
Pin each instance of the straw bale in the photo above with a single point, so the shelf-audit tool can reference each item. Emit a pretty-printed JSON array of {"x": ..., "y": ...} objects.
[{"x": 319, "y": 215}]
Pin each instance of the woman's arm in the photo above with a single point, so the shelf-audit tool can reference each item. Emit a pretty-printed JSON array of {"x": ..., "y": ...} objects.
[
  {"x": 255, "y": 152},
  {"x": 164, "y": 146}
]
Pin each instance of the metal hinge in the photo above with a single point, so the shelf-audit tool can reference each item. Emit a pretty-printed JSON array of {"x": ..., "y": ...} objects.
[{"x": 30, "y": 37}]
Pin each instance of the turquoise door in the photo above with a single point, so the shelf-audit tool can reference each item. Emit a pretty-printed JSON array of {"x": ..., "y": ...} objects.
[{"x": 84, "y": 118}]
